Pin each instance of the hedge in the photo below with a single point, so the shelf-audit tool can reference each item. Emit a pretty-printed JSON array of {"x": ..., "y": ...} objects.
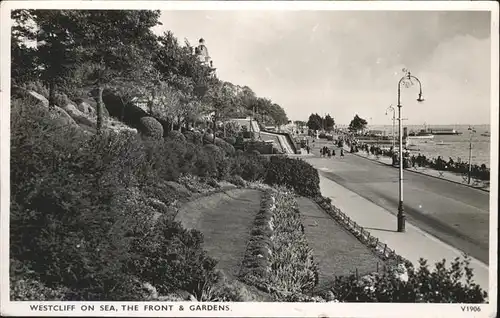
[{"x": 294, "y": 173}]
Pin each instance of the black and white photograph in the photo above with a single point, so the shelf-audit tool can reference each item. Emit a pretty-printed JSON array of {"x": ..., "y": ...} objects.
[{"x": 257, "y": 159}]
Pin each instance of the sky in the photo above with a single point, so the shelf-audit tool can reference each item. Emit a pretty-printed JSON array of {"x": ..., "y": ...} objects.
[{"x": 349, "y": 62}]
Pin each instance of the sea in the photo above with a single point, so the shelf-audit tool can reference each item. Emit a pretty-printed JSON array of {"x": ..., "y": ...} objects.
[{"x": 446, "y": 146}]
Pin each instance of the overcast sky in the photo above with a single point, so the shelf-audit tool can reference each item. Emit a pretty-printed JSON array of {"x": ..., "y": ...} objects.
[{"x": 347, "y": 63}]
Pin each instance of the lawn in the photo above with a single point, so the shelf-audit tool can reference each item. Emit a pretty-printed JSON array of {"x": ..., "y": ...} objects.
[
  {"x": 225, "y": 219},
  {"x": 336, "y": 250}
]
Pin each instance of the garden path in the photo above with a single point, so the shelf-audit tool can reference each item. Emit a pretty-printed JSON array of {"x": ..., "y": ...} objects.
[{"x": 337, "y": 251}]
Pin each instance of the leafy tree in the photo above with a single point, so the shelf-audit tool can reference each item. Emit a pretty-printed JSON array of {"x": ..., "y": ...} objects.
[
  {"x": 166, "y": 103},
  {"x": 299, "y": 123},
  {"x": 329, "y": 123},
  {"x": 315, "y": 122},
  {"x": 23, "y": 67},
  {"x": 118, "y": 45},
  {"x": 55, "y": 55},
  {"x": 357, "y": 124},
  {"x": 221, "y": 101},
  {"x": 278, "y": 115}
]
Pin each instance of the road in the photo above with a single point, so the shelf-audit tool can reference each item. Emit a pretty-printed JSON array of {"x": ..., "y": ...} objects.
[{"x": 454, "y": 213}]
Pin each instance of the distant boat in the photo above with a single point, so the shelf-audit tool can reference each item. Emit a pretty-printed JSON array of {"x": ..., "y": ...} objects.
[
  {"x": 422, "y": 134},
  {"x": 486, "y": 134},
  {"x": 441, "y": 143},
  {"x": 444, "y": 131}
]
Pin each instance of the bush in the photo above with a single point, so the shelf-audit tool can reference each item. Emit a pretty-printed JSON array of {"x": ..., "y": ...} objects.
[
  {"x": 442, "y": 285},
  {"x": 249, "y": 167},
  {"x": 294, "y": 173},
  {"x": 176, "y": 136},
  {"x": 62, "y": 100},
  {"x": 216, "y": 159},
  {"x": 231, "y": 140},
  {"x": 33, "y": 290},
  {"x": 150, "y": 127},
  {"x": 172, "y": 258},
  {"x": 38, "y": 87},
  {"x": 208, "y": 137},
  {"x": 80, "y": 201},
  {"x": 228, "y": 148},
  {"x": 237, "y": 181}
]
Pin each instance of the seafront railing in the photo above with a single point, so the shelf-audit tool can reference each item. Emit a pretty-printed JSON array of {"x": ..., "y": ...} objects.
[{"x": 480, "y": 172}]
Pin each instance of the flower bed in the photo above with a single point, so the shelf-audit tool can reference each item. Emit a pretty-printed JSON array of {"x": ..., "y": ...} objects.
[{"x": 278, "y": 259}]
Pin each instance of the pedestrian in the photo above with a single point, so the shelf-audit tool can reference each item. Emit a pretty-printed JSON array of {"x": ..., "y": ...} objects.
[
  {"x": 333, "y": 153},
  {"x": 341, "y": 153},
  {"x": 321, "y": 152},
  {"x": 329, "y": 153}
]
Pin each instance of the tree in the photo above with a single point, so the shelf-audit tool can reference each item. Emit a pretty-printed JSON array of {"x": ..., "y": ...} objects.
[
  {"x": 329, "y": 123},
  {"x": 166, "y": 103},
  {"x": 278, "y": 115},
  {"x": 300, "y": 123},
  {"x": 55, "y": 56},
  {"x": 23, "y": 67},
  {"x": 221, "y": 101},
  {"x": 118, "y": 45},
  {"x": 357, "y": 124},
  {"x": 315, "y": 122}
]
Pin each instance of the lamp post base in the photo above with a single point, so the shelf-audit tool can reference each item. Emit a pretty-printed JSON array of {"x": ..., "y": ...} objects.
[{"x": 401, "y": 217}]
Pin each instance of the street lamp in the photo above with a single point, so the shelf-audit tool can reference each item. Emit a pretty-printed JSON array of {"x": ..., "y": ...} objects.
[
  {"x": 393, "y": 123},
  {"x": 472, "y": 131},
  {"x": 407, "y": 80}
]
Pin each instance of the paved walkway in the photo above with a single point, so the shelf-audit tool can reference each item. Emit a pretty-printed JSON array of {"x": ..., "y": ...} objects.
[
  {"x": 447, "y": 175},
  {"x": 413, "y": 244}
]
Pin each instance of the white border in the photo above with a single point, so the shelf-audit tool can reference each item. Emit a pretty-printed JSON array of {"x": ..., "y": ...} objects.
[{"x": 250, "y": 309}]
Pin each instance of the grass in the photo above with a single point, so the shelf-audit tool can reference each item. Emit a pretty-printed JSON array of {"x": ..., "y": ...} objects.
[
  {"x": 336, "y": 251},
  {"x": 225, "y": 219}
]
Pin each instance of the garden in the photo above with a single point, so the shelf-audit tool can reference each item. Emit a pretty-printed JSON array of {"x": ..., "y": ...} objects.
[{"x": 97, "y": 177}]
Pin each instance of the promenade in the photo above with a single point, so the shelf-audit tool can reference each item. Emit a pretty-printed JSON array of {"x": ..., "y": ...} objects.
[
  {"x": 445, "y": 175},
  {"x": 454, "y": 213},
  {"x": 412, "y": 244}
]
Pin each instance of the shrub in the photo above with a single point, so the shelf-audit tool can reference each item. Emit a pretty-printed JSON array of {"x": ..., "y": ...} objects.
[
  {"x": 231, "y": 140},
  {"x": 38, "y": 87},
  {"x": 150, "y": 127},
  {"x": 294, "y": 173},
  {"x": 249, "y": 167},
  {"x": 176, "y": 136},
  {"x": 172, "y": 258},
  {"x": 81, "y": 201},
  {"x": 33, "y": 290},
  {"x": 442, "y": 285},
  {"x": 208, "y": 137},
  {"x": 228, "y": 148},
  {"x": 237, "y": 181},
  {"x": 215, "y": 157},
  {"x": 62, "y": 100}
]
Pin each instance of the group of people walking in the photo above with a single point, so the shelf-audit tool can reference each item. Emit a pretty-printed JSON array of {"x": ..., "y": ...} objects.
[{"x": 327, "y": 152}]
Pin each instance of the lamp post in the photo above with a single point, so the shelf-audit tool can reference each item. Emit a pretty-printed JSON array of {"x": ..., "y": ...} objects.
[
  {"x": 393, "y": 123},
  {"x": 407, "y": 79},
  {"x": 471, "y": 133}
]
